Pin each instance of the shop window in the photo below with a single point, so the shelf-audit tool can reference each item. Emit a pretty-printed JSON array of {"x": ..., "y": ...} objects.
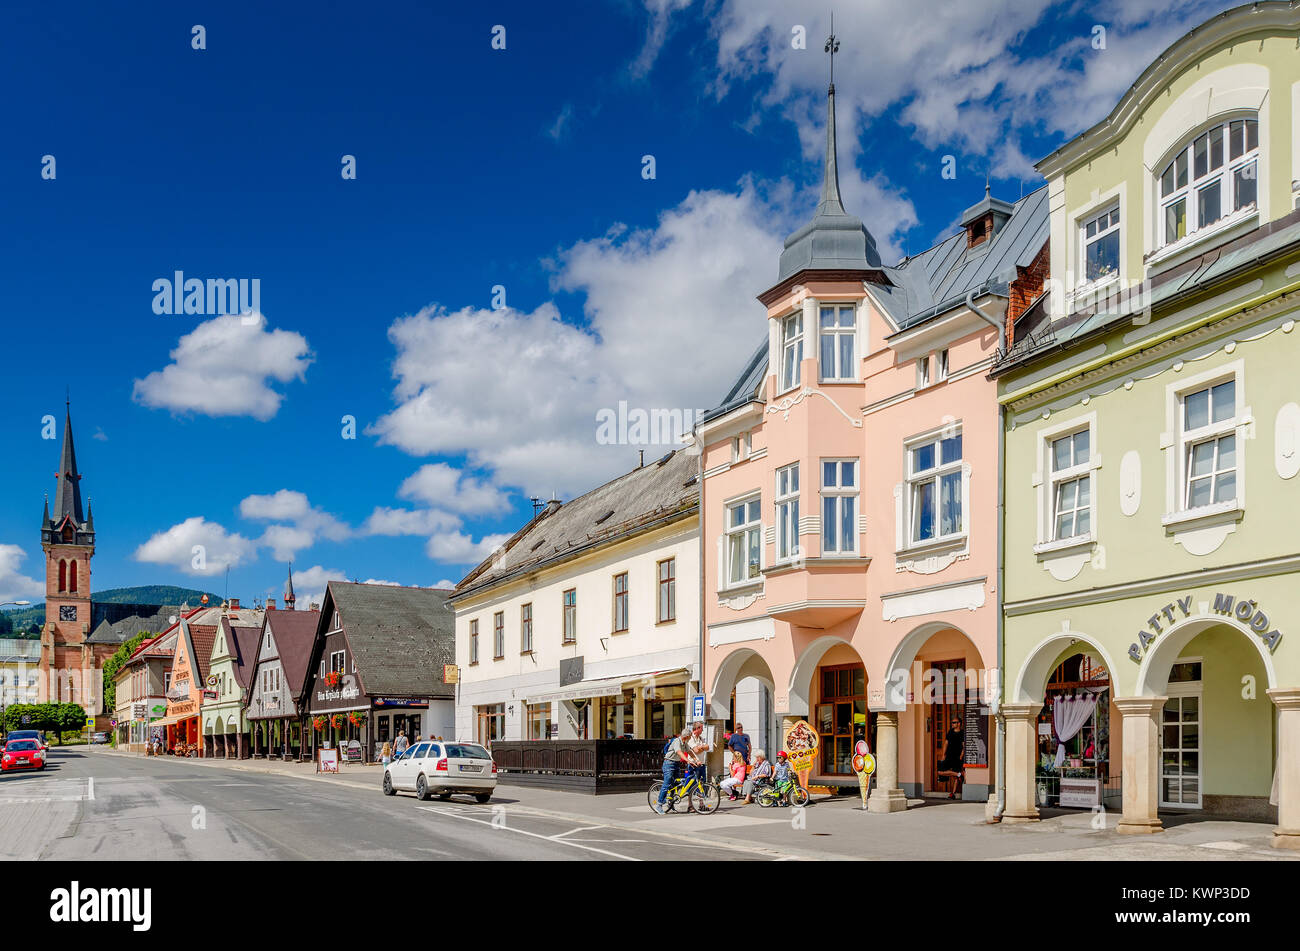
[
  {"x": 1082, "y": 758},
  {"x": 491, "y": 723},
  {"x": 616, "y": 715},
  {"x": 841, "y": 717},
  {"x": 538, "y": 721}
]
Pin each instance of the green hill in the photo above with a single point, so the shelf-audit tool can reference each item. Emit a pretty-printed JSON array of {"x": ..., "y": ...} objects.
[{"x": 18, "y": 623}]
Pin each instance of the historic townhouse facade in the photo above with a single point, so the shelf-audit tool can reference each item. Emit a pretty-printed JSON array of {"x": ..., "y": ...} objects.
[
  {"x": 850, "y": 495},
  {"x": 1152, "y": 436},
  {"x": 585, "y": 625}
]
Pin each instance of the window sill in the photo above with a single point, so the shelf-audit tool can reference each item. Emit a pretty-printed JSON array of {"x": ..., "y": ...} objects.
[
  {"x": 932, "y": 547},
  {"x": 568, "y": 643},
  {"x": 617, "y": 633},
  {"x": 1065, "y": 545},
  {"x": 741, "y": 587},
  {"x": 1194, "y": 243},
  {"x": 525, "y": 653},
  {"x": 666, "y": 621},
  {"x": 1084, "y": 292},
  {"x": 502, "y": 657},
  {"x": 1204, "y": 516}
]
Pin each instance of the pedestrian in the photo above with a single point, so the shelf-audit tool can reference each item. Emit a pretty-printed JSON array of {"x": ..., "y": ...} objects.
[
  {"x": 677, "y": 755},
  {"x": 737, "y": 777},
  {"x": 738, "y": 742},
  {"x": 700, "y": 748},
  {"x": 761, "y": 772},
  {"x": 400, "y": 745},
  {"x": 387, "y": 754},
  {"x": 954, "y": 748}
]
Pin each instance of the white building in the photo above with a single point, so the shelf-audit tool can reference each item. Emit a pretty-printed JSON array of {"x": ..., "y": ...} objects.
[{"x": 586, "y": 624}]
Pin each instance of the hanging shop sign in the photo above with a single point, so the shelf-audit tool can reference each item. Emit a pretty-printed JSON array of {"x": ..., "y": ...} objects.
[
  {"x": 450, "y": 674},
  {"x": 1245, "y": 611}
]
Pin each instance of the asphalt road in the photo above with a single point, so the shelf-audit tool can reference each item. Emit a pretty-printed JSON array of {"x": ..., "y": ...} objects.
[{"x": 91, "y": 804}]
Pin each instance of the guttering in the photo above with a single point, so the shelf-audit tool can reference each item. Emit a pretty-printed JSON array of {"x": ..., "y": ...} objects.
[
  {"x": 1000, "y": 742},
  {"x": 998, "y": 325}
]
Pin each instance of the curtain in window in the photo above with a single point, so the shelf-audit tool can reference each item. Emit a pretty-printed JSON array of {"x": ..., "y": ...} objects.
[{"x": 1069, "y": 714}]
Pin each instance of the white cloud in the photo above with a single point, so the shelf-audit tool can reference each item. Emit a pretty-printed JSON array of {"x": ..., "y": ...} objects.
[
  {"x": 218, "y": 548},
  {"x": 561, "y": 123},
  {"x": 306, "y": 523},
  {"x": 441, "y": 485},
  {"x": 456, "y": 548},
  {"x": 395, "y": 521},
  {"x": 444, "y": 583},
  {"x": 224, "y": 367},
  {"x": 285, "y": 541},
  {"x": 670, "y": 317},
  {"x": 661, "y": 12},
  {"x": 309, "y": 585},
  {"x": 15, "y": 586}
]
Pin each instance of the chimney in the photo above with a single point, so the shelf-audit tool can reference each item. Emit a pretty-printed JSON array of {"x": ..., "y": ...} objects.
[
  {"x": 234, "y": 604},
  {"x": 270, "y": 604}
]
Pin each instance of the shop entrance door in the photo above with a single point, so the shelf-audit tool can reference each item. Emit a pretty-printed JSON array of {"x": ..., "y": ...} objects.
[
  {"x": 841, "y": 717},
  {"x": 949, "y": 704},
  {"x": 1180, "y": 747}
]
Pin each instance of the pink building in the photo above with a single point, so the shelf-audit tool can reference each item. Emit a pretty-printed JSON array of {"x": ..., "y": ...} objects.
[{"x": 850, "y": 497}]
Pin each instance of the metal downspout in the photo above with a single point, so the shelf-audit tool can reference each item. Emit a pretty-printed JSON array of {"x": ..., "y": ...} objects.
[{"x": 1001, "y": 738}]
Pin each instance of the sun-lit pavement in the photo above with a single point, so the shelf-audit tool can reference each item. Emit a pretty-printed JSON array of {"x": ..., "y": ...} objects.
[{"x": 99, "y": 804}]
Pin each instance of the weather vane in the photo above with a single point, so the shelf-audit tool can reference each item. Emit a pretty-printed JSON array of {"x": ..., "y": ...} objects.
[{"x": 832, "y": 47}]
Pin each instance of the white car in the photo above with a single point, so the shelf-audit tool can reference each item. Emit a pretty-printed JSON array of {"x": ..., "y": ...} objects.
[{"x": 436, "y": 768}]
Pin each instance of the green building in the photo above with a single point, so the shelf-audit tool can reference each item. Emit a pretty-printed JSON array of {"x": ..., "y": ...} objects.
[{"x": 1151, "y": 408}]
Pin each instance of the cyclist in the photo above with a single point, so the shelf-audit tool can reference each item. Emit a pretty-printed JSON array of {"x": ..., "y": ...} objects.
[
  {"x": 677, "y": 756},
  {"x": 784, "y": 774}
]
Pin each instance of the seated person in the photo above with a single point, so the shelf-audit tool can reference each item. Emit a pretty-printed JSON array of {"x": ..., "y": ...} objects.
[
  {"x": 759, "y": 773},
  {"x": 737, "y": 777}
]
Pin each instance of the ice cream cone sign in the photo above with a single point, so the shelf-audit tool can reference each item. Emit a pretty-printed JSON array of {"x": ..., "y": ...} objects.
[{"x": 864, "y": 764}]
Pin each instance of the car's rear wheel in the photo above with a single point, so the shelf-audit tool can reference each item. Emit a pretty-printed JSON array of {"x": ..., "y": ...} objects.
[
  {"x": 388, "y": 786},
  {"x": 482, "y": 796},
  {"x": 422, "y": 789}
]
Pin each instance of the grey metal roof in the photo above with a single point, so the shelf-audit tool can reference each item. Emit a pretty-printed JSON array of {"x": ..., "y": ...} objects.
[
  {"x": 933, "y": 282},
  {"x": 16, "y": 649},
  {"x": 122, "y": 630},
  {"x": 834, "y": 240},
  {"x": 658, "y": 490},
  {"x": 400, "y": 637}
]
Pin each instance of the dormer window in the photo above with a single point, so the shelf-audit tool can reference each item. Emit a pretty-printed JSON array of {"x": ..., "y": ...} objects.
[{"x": 1213, "y": 176}]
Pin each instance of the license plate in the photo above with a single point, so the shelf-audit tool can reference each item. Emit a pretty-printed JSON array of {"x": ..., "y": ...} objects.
[{"x": 471, "y": 769}]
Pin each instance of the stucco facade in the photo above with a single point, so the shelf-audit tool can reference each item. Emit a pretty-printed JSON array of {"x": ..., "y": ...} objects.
[{"x": 1151, "y": 445}]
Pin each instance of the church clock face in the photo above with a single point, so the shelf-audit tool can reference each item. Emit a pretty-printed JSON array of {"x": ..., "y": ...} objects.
[{"x": 67, "y": 612}]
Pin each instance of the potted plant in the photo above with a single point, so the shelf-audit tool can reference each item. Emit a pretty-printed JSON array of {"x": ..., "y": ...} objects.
[
  {"x": 333, "y": 678},
  {"x": 337, "y": 720},
  {"x": 318, "y": 723},
  {"x": 357, "y": 717}
]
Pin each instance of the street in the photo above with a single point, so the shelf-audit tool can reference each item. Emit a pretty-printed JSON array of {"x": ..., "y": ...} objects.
[{"x": 94, "y": 804}]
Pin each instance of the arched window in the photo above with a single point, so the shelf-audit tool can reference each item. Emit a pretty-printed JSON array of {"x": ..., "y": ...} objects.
[
  {"x": 1210, "y": 178},
  {"x": 63, "y": 575},
  {"x": 72, "y": 575}
]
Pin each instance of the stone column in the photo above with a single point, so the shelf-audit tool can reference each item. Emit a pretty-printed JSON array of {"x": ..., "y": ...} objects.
[
  {"x": 1141, "y": 769},
  {"x": 887, "y": 796},
  {"x": 1021, "y": 721},
  {"x": 1287, "y": 701}
]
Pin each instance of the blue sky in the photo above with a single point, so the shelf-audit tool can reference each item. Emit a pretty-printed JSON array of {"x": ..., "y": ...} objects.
[{"x": 476, "y": 168}]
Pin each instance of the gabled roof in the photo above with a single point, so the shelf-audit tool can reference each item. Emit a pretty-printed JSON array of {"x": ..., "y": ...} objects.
[
  {"x": 658, "y": 491},
  {"x": 242, "y": 643},
  {"x": 294, "y": 633},
  {"x": 400, "y": 637}
]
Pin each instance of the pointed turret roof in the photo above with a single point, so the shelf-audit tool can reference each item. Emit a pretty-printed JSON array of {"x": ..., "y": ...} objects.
[
  {"x": 67, "y": 496},
  {"x": 289, "y": 599},
  {"x": 834, "y": 240}
]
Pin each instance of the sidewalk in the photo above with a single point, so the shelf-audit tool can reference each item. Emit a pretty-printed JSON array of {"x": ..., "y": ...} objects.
[{"x": 840, "y": 829}]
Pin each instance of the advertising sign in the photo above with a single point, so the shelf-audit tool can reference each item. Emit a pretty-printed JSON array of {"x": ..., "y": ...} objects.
[
  {"x": 697, "y": 707},
  {"x": 327, "y": 761},
  {"x": 801, "y": 744},
  {"x": 450, "y": 674},
  {"x": 1080, "y": 793}
]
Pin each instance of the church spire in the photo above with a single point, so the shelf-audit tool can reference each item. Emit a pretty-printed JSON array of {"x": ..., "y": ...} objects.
[
  {"x": 67, "y": 495},
  {"x": 288, "y": 590}
]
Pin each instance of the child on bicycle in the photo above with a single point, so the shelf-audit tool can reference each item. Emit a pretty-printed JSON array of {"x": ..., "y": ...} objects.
[{"x": 785, "y": 776}]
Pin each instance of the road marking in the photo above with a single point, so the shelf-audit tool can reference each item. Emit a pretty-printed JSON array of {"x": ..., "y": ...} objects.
[
  {"x": 90, "y": 788},
  {"x": 535, "y": 835}
]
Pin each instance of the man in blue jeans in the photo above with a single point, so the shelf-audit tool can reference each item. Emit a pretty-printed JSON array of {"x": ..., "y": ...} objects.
[{"x": 676, "y": 756}]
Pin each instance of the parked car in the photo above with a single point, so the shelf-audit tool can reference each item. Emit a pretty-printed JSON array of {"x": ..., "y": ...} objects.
[
  {"x": 37, "y": 735},
  {"x": 434, "y": 768},
  {"x": 99, "y": 737},
  {"x": 22, "y": 754}
]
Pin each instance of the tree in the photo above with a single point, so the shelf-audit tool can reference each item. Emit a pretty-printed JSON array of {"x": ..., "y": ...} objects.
[
  {"x": 114, "y": 664},
  {"x": 40, "y": 716},
  {"x": 69, "y": 718}
]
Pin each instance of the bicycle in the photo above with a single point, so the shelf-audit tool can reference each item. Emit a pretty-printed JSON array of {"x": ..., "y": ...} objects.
[
  {"x": 703, "y": 798},
  {"x": 785, "y": 792}
]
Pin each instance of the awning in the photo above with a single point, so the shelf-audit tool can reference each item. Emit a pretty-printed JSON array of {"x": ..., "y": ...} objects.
[
  {"x": 604, "y": 687},
  {"x": 174, "y": 718}
]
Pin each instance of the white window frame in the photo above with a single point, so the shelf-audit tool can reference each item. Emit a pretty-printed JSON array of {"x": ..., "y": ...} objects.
[
  {"x": 1077, "y": 473},
  {"x": 751, "y": 526},
  {"x": 1211, "y": 433},
  {"x": 1177, "y": 443},
  {"x": 841, "y": 495},
  {"x": 836, "y": 334},
  {"x": 941, "y": 365},
  {"x": 787, "y": 513},
  {"x": 1113, "y": 224},
  {"x": 934, "y": 475},
  {"x": 923, "y": 372},
  {"x": 342, "y": 661},
  {"x": 1224, "y": 176},
  {"x": 742, "y": 446},
  {"x": 1182, "y": 690},
  {"x": 1046, "y": 480},
  {"x": 791, "y": 349}
]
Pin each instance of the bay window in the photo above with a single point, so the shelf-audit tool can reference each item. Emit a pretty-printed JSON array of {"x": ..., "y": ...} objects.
[
  {"x": 744, "y": 538},
  {"x": 787, "y": 512},
  {"x": 839, "y": 506},
  {"x": 934, "y": 489},
  {"x": 1213, "y": 176},
  {"x": 791, "y": 350},
  {"x": 838, "y": 335}
]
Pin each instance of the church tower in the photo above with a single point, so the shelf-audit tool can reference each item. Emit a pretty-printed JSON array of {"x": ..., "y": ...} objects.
[{"x": 68, "y": 540}]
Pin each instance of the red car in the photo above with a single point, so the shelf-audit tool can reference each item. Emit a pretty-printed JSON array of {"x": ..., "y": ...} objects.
[{"x": 22, "y": 754}]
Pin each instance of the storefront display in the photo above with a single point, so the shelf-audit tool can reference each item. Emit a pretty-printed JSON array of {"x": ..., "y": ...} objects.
[{"x": 1074, "y": 735}]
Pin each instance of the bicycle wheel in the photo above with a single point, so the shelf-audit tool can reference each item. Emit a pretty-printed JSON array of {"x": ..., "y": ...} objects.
[
  {"x": 798, "y": 796},
  {"x": 767, "y": 797},
  {"x": 706, "y": 799},
  {"x": 652, "y": 797}
]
